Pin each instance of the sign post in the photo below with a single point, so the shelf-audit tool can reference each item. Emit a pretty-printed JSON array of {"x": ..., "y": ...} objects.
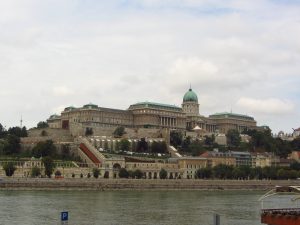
[
  {"x": 64, "y": 217},
  {"x": 216, "y": 219}
]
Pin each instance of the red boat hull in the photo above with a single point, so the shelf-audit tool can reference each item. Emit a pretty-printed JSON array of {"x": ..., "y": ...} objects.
[{"x": 281, "y": 217}]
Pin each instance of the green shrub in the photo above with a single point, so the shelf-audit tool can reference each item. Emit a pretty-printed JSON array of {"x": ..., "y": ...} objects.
[
  {"x": 9, "y": 168},
  {"x": 35, "y": 172},
  {"x": 96, "y": 172}
]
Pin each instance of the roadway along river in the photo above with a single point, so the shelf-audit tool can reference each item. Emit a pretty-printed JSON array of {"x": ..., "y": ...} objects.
[{"x": 131, "y": 207}]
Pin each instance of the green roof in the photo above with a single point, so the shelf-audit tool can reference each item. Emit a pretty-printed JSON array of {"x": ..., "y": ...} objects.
[
  {"x": 70, "y": 108},
  {"x": 90, "y": 106},
  {"x": 155, "y": 105},
  {"x": 231, "y": 115},
  {"x": 190, "y": 96},
  {"x": 54, "y": 116}
]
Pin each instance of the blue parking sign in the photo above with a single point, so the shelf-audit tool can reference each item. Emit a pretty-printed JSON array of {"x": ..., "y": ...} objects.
[{"x": 64, "y": 216}]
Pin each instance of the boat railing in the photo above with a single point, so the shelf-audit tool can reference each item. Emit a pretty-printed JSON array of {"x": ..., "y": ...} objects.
[
  {"x": 281, "y": 211},
  {"x": 281, "y": 190}
]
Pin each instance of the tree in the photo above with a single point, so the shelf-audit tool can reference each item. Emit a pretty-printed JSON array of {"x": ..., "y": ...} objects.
[
  {"x": 2, "y": 131},
  {"x": 159, "y": 147},
  {"x": 204, "y": 173},
  {"x": 24, "y": 132},
  {"x": 142, "y": 145},
  {"x": 13, "y": 145},
  {"x": 175, "y": 138},
  {"x": 283, "y": 148},
  {"x": 296, "y": 143},
  {"x": 233, "y": 138},
  {"x": 3, "y": 144},
  {"x": 9, "y": 168},
  {"x": 163, "y": 174},
  {"x": 44, "y": 148},
  {"x": 123, "y": 173},
  {"x": 256, "y": 173},
  {"x": 186, "y": 143},
  {"x": 209, "y": 141},
  {"x": 96, "y": 172},
  {"x": 223, "y": 171},
  {"x": 49, "y": 166},
  {"x": 124, "y": 144},
  {"x": 119, "y": 132},
  {"x": 196, "y": 148},
  {"x": 17, "y": 131},
  {"x": 238, "y": 173},
  {"x": 42, "y": 124},
  {"x": 35, "y": 172},
  {"x": 286, "y": 173},
  {"x": 269, "y": 172},
  {"x": 295, "y": 166},
  {"x": 138, "y": 174},
  {"x": 65, "y": 151}
]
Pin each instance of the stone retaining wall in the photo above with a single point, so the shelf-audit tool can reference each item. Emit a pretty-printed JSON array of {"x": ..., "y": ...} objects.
[{"x": 133, "y": 184}]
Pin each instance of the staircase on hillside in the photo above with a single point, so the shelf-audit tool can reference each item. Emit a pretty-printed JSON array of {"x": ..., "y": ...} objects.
[
  {"x": 174, "y": 153},
  {"x": 89, "y": 153}
]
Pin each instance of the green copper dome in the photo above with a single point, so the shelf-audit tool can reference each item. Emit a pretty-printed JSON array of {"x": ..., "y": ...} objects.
[{"x": 190, "y": 96}]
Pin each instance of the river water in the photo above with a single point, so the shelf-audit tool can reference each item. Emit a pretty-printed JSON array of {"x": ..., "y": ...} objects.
[{"x": 131, "y": 207}]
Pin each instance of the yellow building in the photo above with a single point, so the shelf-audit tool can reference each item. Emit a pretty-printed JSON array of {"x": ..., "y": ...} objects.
[{"x": 189, "y": 166}]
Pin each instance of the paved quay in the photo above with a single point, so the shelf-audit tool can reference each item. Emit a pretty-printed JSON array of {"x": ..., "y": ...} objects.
[{"x": 139, "y": 184}]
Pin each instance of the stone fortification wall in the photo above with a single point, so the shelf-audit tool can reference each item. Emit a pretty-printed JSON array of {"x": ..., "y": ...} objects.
[
  {"x": 143, "y": 132},
  {"x": 51, "y": 133},
  {"x": 77, "y": 129},
  {"x": 134, "y": 184},
  {"x": 58, "y": 136}
]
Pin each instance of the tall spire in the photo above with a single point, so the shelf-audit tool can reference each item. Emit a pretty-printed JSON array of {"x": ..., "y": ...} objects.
[
  {"x": 190, "y": 87},
  {"x": 21, "y": 122}
]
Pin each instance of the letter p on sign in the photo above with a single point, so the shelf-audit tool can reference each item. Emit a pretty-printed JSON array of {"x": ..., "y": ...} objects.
[{"x": 64, "y": 216}]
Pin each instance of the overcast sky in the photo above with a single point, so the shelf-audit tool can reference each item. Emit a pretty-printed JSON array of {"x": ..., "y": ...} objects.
[{"x": 239, "y": 56}]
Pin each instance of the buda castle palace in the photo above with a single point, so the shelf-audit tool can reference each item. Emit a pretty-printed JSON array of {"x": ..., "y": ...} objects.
[{"x": 153, "y": 118}]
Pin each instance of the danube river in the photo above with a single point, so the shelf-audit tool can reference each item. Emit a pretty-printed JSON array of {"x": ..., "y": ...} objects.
[{"x": 131, "y": 207}]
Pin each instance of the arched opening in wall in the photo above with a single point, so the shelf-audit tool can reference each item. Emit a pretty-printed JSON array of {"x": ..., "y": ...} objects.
[
  {"x": 171, "y": 176},
  {"x": 65, "y": 124},
  {"x": 155, "y": 175},
  {"x": 116, "y": 169},
  {"x": 106, "y": 174},
  {"x": 150, "y": 175}
]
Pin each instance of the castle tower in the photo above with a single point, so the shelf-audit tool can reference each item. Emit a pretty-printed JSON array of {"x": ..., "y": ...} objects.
[{"x": 190, "y": 103}]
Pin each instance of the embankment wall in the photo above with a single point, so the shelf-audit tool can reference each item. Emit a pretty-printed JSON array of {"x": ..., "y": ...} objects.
[{"x": 135, "y": 184}]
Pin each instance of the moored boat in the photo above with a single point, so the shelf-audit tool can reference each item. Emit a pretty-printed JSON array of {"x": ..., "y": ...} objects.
[{"x": 281, "y": 216}]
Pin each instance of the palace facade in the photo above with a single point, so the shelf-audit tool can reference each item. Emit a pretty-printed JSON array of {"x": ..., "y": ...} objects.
[{"x": 149, "y": 115}]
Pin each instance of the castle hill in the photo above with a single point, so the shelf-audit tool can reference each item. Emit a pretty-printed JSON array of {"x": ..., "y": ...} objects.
[{"x": 151, "y": 145}]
